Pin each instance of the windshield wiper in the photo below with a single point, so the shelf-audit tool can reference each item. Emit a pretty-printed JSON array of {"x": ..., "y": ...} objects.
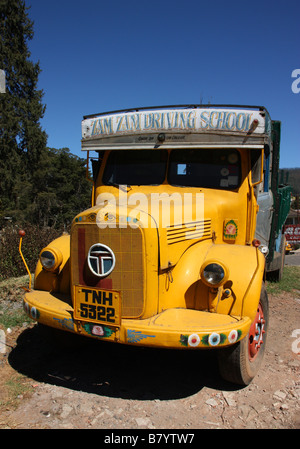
[{"x": 124, "y": 188}]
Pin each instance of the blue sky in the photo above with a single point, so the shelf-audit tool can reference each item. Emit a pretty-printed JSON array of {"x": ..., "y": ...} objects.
[{"x": 98, "y": 56}]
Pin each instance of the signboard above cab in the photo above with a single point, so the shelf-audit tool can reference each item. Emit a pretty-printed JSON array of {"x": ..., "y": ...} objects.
[{"x": 184, "y": 126}]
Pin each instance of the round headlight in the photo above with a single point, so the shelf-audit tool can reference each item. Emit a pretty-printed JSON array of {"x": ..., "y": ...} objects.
[
  {"x": 214, "y": 274},
  {"x": 50, "y": 259},
  {"x": 47, "y": 259}
]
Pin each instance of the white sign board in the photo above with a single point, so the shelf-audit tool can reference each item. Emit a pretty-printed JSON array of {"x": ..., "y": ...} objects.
[{"x": 174, "y": 120}]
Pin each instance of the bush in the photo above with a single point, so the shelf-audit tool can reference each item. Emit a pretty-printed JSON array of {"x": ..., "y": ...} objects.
[{"x": 36, "y": 238}]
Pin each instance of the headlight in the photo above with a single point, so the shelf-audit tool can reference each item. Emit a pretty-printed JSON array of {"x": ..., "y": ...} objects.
[
  {"x": 50, "y": 258},
  {"x": 214, "y": 274}
]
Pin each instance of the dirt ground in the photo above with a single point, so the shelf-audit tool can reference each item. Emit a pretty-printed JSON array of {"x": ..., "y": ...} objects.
[{"x": 91, "y": 384}]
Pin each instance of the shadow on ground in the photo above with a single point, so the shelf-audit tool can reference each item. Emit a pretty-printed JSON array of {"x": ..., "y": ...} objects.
[{"x": 114, "y": 370}]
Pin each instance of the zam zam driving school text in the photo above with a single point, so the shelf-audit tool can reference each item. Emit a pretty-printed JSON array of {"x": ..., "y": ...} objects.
[{"x": 156, "y": 438}]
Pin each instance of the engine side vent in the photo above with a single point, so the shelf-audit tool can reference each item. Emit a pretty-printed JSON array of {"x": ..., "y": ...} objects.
[{"x": 188, "y": 231}]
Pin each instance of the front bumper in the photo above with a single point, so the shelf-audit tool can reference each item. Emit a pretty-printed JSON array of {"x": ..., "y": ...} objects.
[{"x": 172, "y": 328}]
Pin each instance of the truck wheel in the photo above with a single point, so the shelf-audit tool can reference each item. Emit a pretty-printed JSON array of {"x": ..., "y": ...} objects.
[{"x": 240, "y": 363}]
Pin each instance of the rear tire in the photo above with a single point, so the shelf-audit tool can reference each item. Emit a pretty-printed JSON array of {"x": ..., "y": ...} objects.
[{"x": 240, "y": 363}]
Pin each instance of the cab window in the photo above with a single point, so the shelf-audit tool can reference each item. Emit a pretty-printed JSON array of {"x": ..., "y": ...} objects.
[
  {"x": 208, "y": 168},
  {"x": 136, "y": 167}
]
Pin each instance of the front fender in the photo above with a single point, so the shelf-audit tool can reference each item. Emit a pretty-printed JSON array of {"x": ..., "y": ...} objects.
[
  {"x": 246, "y": 265},
  {"x": 58, "y": 281},
  {"x": 246, "y": 268}
]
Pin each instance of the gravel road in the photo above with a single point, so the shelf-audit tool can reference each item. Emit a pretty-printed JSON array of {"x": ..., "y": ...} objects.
[{"x": 91, "y": 384}]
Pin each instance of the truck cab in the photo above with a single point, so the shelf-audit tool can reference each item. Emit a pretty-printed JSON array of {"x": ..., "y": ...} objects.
[{"x": 174, "y": 250}]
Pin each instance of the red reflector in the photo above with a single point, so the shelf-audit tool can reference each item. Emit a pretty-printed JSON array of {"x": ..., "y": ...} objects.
[{"x": 256, "y": 243}]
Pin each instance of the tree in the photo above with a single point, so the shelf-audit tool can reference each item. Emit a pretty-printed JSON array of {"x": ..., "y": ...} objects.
[
  {"x": 60, "y": 189},
  {"x": 21, "y": 138},
  {"x": 291, "y": 176},
  {"x": 43, "y": 186}
]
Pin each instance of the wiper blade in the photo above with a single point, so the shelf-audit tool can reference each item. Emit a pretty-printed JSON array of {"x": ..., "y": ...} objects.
[{"x": 123, "y": 187}]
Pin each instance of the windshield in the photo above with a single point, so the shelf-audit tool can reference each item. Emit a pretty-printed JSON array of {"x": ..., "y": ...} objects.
[
  {"x": 136, "y": 167},
  {"x": 208, "y": 168},
  {"x": 213, "y": 168}
]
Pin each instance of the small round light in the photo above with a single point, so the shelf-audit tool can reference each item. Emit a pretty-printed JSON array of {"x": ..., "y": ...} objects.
[
  {"x": 213, "y": 273},
  {"x": 47, "y": 259},
  {"x": 227, "y": 292},
  {"x": 161, "y": 137},
  {"x": 264, "y": 250},
  {"x": 256, "y": 243}
]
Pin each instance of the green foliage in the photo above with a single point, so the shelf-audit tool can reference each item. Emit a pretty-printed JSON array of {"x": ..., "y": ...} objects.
[
  {"x": 12, "y": 317},
  {"x": 291, "y": 176},
  {"x": 290, "y": 281},
  {"x": 11, "y": 302},
  {"x": 21, "y": 108},
  {"x": 35, "y": 240},
  {"x": 55, "y": 192}
]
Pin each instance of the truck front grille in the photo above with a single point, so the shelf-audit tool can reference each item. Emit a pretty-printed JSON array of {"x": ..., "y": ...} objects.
[{"x": 128, "y": 274}]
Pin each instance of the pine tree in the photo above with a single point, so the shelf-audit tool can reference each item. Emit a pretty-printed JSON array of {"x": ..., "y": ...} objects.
[
  {"x": 21, "y": 138},
  {"x": 61, "y": 189}
]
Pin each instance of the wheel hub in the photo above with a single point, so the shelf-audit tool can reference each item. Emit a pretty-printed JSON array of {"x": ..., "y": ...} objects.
[{"x": 256, "y": 333}]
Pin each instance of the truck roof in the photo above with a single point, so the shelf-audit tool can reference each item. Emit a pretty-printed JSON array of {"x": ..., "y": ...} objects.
[{"x": 184, "y": 126}]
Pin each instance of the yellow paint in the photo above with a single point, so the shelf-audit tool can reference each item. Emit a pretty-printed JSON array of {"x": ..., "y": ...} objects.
[
  {"x": 59, "y": 280},
  {"x": 165, "y": 329},
  {"x": 178, "y": 309}
]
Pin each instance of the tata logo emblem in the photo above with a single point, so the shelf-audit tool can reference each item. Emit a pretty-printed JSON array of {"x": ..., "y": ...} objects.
[{"x": 101, "y": 260}]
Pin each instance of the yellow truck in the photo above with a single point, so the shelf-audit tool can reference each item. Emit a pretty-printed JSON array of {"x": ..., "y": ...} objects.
[{"x": 182, "y": 229}]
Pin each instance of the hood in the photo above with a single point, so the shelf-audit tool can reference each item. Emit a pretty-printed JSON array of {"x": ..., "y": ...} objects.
[{"x": 180, "y": 220}]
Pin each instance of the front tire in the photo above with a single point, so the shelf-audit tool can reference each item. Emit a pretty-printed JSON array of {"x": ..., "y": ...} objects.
[{"x": 240, "y": 363}]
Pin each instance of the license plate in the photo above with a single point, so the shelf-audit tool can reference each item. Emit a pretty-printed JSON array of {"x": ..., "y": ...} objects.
[{"x": 97, "y": 305}]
